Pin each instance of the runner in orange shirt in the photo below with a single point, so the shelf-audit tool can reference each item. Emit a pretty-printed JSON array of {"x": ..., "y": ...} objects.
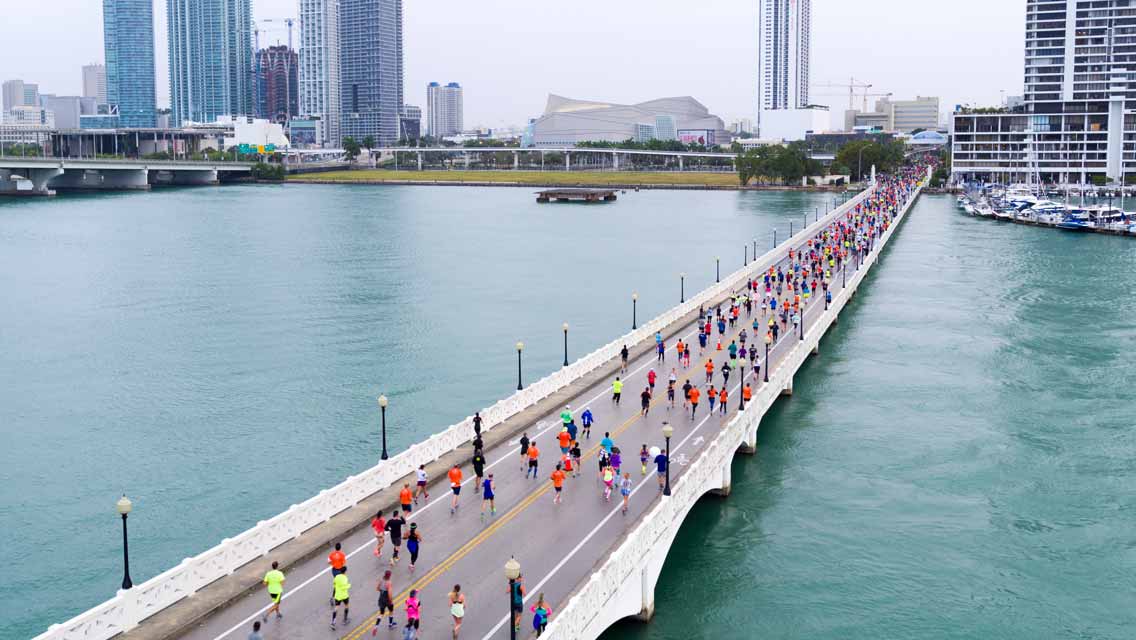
[
  {"x": 405, "y": 497},
  {"x": 565, "y": 439},
  {"x": 709, "y": 371},
  {"x": 557, "y": 478},
  {"x": 455, "y": 475},
  {"x": 338, "y": 561},
  {"x": 534, "y": 455},
  {"x": 694, "y": 393},
  {"x": 722, "y": 397}
]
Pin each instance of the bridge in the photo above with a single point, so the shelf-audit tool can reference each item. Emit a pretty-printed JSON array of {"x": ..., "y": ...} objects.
[
  {"x": 586, "y": 157},
  {"x": 46, "y": 175},
  {"x": 593, "y": 563}
]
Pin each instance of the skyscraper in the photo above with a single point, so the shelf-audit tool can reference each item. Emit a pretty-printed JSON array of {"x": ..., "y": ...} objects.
[
  {"x": 95, "y": 82},
  {"x": 370, "y": 51},
  {"x": 128, "y": 44},
  {"x": 319, "y": 65},
  {"x": 444, "y": 109},
  {"x": 210, "y": 59},
  {"x": 19, "y": 93},
  {"x": 783, "y": 106},
  {"x": 1080, "y": 98},
  {"x": 276, "y": 78}
]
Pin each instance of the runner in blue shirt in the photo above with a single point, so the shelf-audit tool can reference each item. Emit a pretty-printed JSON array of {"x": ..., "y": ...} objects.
[
  {"x": 586, "y": 420},
  {"x": 606, "y": 443}
]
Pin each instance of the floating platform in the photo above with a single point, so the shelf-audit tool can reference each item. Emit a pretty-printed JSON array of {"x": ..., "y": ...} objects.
[{"x": 576, "y": 195}]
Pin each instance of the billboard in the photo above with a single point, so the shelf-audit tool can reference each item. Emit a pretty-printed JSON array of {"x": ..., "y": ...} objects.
[{"x": 704, "y": 137}]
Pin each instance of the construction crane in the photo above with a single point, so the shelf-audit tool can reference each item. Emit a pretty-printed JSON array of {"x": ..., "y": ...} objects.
[
  {"x": 852, "y": 86},
  {"x": 256, "y": 29}
]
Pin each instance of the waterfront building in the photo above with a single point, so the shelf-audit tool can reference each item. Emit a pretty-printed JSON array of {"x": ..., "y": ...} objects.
[
  {"x": 410, "y": 123},
  {"x": 906, "y": 116},
  {"x": 444, "y": 109},
  {"x": 370, "y": 48},
  {"x": 128, "y": 47},
  {"x": 644, "y": 132},
  {"x": 19, "y": 93},
  {"x": 567, "y": 121},
  {"x": 26, "y": 115},
  {"x": 67, "y": 109},
  {"x": 665, "y": 128},
  {"x": 784, "y": 111},
  {"x": 277, "y": 71},
  {"x": 95, "y": 82},
  {"x": 210, "y": 59},
  {"x": 319, "y": 67},
  {"x": 1080, "y": 98}
]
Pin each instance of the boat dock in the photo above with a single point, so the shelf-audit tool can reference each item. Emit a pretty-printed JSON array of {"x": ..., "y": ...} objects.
[{"x": 576, "y": 195}]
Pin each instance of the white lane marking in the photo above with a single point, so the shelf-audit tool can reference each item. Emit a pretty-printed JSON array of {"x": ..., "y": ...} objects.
[{"x": 580, "y": 545}]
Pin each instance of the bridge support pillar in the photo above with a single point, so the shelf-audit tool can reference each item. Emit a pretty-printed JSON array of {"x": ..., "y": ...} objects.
[
  {"x": 648, "y": 609},
  {"x": 680, "y": 163},
  {"x": 816, "y": 349},
  {"x": 567, "y": 161},
  {"x": 102, "y": 180},
  {"x": 32, "y": 182},
  {"x": 419, "y": 154},
  {"x": 788, "y": 390},
  {"x": 615, "y": 160},
  {"x": 725, "y": 489},
  {"x": 194, "y": 177},
  {"x": 516, "y": 160},
  {"x": 749, "y": 444}
]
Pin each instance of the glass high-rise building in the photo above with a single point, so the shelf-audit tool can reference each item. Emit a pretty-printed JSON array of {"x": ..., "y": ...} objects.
[
  {"x": 276, "y": 80},
  {"x": 211, "y": 66},
  {"x": 319, "y": 66},
  {"x": 370, "y": 52},
  {"x": 128, "y": 44}
]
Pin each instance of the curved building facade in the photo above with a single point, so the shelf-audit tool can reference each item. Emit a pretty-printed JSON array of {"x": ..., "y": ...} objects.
[{"x": 567, "y": 121}]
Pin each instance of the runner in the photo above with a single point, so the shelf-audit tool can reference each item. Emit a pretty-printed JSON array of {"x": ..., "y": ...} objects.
[
  {"x": 524, "y": 449},
  {"x": 651, "y": 377},
  {"x": 378, "y": 526},
  {"x": 557, "y": 478},
  {"x": 565, "y": 440},
  {"x": 616, "y": 390},
  {"x": 616, "y": 459},
  {"x": 586, "y": 419},
  {"x": 518, "y": 598},
  {"x": 405, "y": 497},
  {"x": 625, "y": 490},
  {"x": 661, "y": 467},
  {"x": 747, "y": 393},
  {"x": 457, "y": 607},
  {"x": 455, "y": 475},
  {"x": 341, "y": 597},
  {"x": 534, "y": 454},
  {"x": 572, "y": 431},
  {"x": 255, "y": 633},
  {"x": 608, "y": 477},
  {"x": 566, "y": 415},
  {"x": 541, "y": 611},
  {"x": 413, "y": 616},
  {"x": 274, "y": 580},
  {"x": 725, "y": 374},
  {"x": 643, "y": 455},
  {"x": 709, "y": 371},
  {"x": 686, "y": 387},
  {"x": 576, "y": 455},
  {"x": 701, "y": 342},
  {"x": 413, "y": 540},
  {"x": 487, "y": 496},
  {"x": 645, "y": 401},
  {"x": 607, "y": 443},
  {"x": 420, "y": 490},
  {"x": 712, "y": 397},
  {"x": 722, "y": 398},
  {"x": 478, "y": 463},
  {"x": 477, "y": 424},
  {"x": 661, "y": 348},
  {"x": 694, "y": 393},
  {"x": 670, "y": 395},
  {"x": 338, "y": 562},
  {"x": 386, "y": 604},
  {"x": 394, "y": 527},
  {"x": 623, "y": 354}
]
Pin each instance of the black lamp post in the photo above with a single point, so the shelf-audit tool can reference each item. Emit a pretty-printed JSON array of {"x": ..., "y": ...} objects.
[
  {"x": 565, "y": 327},
  {"x": 768, "y": 341},
  {"x": 801, "y": 313},
  {"x": 741, "y": 387},
  {"x": 745, "y": 255},
  {"x": 682, "y": 287},
  {"x": 717, "y": 269},
  {"x": 383, "y": 409},
  {"x": 512, "y": 572},
  {"x": 634, "y": 311},
  {"x": 668, "y": 431},
  {"x": 520, "y": 347},
  {"x": 124, "y": 506},
  {"x": 774, "y": 238}
]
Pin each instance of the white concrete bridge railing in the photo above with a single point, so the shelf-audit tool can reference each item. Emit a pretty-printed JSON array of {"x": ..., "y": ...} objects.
[
  {"x": 624, "y": 585},
  {"x": 129, "y": 607}
]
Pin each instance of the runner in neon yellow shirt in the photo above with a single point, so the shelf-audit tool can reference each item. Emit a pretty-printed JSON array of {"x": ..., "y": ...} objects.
[
  {"x": 342, "y": 593},
  {"x": 274, "y": 579}
]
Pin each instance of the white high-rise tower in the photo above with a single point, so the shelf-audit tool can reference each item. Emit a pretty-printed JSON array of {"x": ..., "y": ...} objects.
[
  {"x": 783, "y": 106},
  {"x": 319, "y": 65}
]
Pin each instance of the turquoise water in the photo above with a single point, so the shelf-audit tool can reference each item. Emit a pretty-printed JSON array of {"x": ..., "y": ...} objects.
[
  {"x": 957, "y": 463},
  {"x": 216, "y": 353}
]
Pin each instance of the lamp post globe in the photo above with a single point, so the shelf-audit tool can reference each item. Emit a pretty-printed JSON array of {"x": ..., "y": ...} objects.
[
  {"x": 124, "y": 506},
  {"x": 383, "y": 410},
  {"x": 634, "y": 310},
  {"x": 512, "y": 572}
]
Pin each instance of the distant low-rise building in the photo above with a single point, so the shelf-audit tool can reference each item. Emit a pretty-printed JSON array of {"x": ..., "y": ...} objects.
[
  {"x": 566, "y": 121},
  {"x": 793, "y": 124},
  {"x": 410, "y": 123},
  {"x": 29, "y": 116}
]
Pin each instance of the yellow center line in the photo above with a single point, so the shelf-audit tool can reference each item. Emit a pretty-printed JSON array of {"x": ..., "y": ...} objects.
[{"x": 463, "y": 551}]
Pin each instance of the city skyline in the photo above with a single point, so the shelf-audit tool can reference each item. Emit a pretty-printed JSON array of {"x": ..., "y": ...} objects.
[{"x": 907, "y": 54}]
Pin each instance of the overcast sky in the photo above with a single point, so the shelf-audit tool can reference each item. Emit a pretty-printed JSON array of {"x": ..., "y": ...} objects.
[{"x": 510, "y": 54}]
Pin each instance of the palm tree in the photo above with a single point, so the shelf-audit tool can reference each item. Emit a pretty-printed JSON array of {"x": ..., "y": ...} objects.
[{"x": 368, "y": 144}]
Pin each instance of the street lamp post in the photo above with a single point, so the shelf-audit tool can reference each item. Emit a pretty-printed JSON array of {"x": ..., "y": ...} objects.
[
  {"x": 682, "y": 287},
  {"x": 124, "y": 506},
  {"x": 745, "y": 255},
  {"x": 565, "y": 327},
  {"x": 717, "y": 269},
  {"x": 520, "y": 348},
  {"x": 512, "y": 572},
  {"x": 741, "y": 386},
  {"x": 668, "y": 431},
  {"x": 383, "y": 409},
  {"x": 634, "y": 311},
  {"x": 768, "y": 341},
  {"x": 802, "y": 322},
  {"x": 774, "y": 238}
]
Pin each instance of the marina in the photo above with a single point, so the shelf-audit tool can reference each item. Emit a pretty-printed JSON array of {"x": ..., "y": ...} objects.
[{"x": 1022, "y": 205}]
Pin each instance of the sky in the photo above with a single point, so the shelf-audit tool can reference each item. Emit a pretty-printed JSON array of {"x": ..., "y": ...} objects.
[{"x": 510, "y": 54}]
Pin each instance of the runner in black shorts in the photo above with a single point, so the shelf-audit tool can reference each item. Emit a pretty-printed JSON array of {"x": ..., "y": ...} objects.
[
  {"x": 394, "y": 528},
  {"x": 671, "y": 393}
]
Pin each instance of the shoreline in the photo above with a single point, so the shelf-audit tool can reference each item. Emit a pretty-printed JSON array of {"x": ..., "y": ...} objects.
[{"x": 631, "y": 186}]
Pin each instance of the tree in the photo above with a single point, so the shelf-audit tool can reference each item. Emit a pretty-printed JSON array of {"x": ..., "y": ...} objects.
[
  {"x": 369, "y": 143},
  {"x": 350, "y": 148}
]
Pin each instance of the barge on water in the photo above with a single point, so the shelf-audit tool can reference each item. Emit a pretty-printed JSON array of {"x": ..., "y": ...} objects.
[{"x": 576, "y": 195}]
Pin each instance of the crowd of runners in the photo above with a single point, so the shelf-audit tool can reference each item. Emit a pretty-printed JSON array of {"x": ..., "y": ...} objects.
[{"x": 741, "y": 332}]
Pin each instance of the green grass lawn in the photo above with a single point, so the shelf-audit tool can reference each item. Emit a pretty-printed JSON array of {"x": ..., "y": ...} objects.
[{"x": 550, "y": 178}]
